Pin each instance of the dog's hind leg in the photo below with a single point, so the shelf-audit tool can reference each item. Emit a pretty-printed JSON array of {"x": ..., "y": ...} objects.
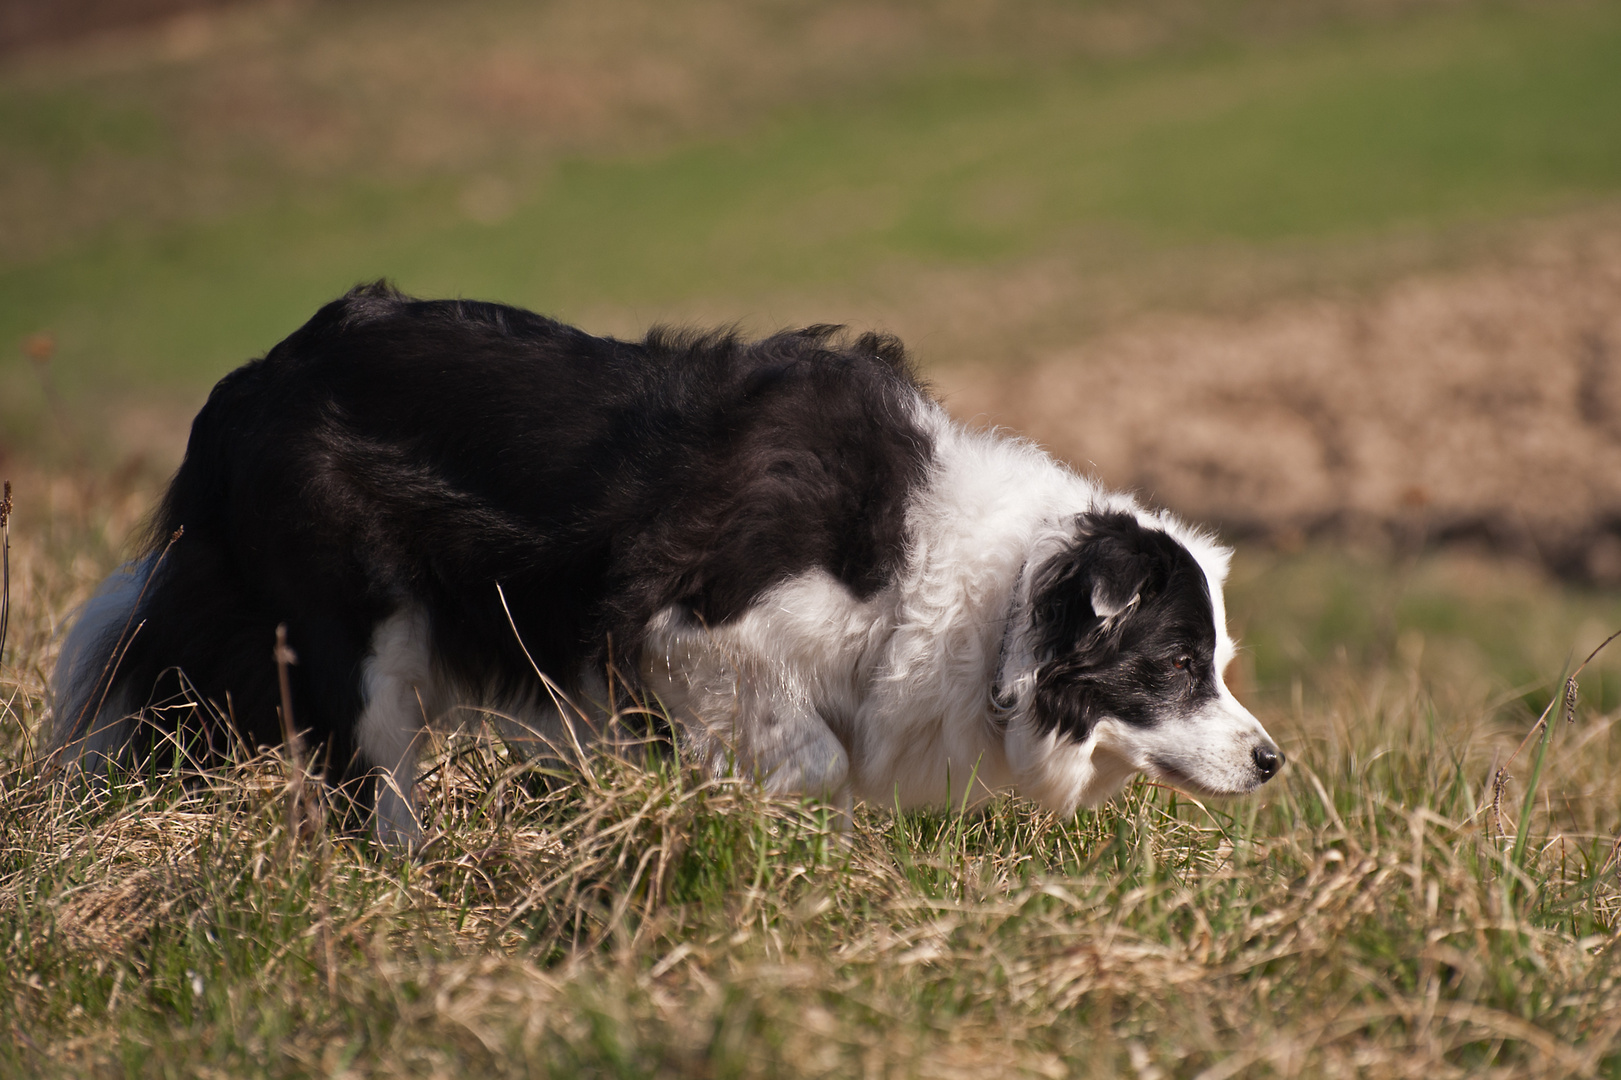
[{"x": 400, "y": 697}]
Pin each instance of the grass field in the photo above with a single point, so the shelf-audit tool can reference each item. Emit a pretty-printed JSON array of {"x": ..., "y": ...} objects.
[
  {"x": 176, "y": 200},
  {"x": 1369, "y": 914}
]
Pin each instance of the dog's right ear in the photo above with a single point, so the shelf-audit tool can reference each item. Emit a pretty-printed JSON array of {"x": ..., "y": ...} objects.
[
  {"x": 1117, "y": 584},
  {"x": 1080, "y": 592},
  {"x": 1080, "y": 598}
]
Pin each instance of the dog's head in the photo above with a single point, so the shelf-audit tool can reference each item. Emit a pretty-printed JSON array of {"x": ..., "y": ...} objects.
[{"x": 1113, "y": 666}]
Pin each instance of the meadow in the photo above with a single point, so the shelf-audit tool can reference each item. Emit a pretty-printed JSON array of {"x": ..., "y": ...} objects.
[
  {"x": 1432, "y": 887},
  {"x": 172, "y": 207},
  {"x": 1385, "y": 908}
]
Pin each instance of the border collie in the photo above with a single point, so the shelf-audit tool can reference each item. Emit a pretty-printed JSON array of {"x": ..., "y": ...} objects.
[{"x": 785, "y": 545}]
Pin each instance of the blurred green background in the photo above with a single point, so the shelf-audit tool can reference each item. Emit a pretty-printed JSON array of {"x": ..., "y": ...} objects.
[{"x": 174, "y": 201}]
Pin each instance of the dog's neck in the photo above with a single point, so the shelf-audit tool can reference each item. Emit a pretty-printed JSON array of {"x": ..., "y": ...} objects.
[{"x": 1002, "y": 700}]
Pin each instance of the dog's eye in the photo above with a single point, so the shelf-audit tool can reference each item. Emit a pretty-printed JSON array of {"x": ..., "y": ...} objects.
[{"x": 1182, "y": 663}]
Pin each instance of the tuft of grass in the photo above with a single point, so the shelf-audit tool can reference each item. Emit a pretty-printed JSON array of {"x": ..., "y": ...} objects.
[
  {"x": 1364, "y": 914},
  {"x": 5, "y": 565},
  {"x": 646, "y": 922}
]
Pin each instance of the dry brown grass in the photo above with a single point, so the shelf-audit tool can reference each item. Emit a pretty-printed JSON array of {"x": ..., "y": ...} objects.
[{"x": 1361, "y": 918}]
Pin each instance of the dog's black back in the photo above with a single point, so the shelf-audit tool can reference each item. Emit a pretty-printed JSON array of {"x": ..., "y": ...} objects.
[{"x": 396, "y": 451}]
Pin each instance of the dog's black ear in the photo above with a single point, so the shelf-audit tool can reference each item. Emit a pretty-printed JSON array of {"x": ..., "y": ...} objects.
[
  {"x": 1081, "y": 600},
  {"x": 1094, "y": 580}
]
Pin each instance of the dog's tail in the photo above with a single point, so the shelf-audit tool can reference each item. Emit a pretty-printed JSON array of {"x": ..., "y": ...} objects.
[
  {"x": 91, "y": 719},
  {"x": 174, "y": 650}
]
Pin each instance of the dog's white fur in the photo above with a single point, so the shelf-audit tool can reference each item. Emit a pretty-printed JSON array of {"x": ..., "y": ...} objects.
[{"x": 886, "y": 700}]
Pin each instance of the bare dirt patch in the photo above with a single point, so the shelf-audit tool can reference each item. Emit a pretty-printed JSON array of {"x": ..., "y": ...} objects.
[{"x": 1480, "y": 405}]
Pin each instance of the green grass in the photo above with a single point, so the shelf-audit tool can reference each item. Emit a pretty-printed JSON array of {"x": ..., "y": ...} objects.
[
  {"x": 1368, "y": 912},
  {"x": 1492, "y": 635},
  {"x": 1343, "y": 131}
]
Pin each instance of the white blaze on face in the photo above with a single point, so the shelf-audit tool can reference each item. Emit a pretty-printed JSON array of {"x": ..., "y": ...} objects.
[{"x": 1221, "y": 749}]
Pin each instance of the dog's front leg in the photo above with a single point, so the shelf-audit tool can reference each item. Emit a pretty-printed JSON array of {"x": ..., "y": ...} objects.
[
  {"x": 811, "y": 761},
  {"x": 794, "y": 752}
]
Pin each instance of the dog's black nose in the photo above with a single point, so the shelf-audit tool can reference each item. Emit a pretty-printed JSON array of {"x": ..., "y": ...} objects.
[{"x": 1268, "y": 760}]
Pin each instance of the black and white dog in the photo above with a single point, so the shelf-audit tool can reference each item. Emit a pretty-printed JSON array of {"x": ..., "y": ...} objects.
[{"x": 786, "y": 544}]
